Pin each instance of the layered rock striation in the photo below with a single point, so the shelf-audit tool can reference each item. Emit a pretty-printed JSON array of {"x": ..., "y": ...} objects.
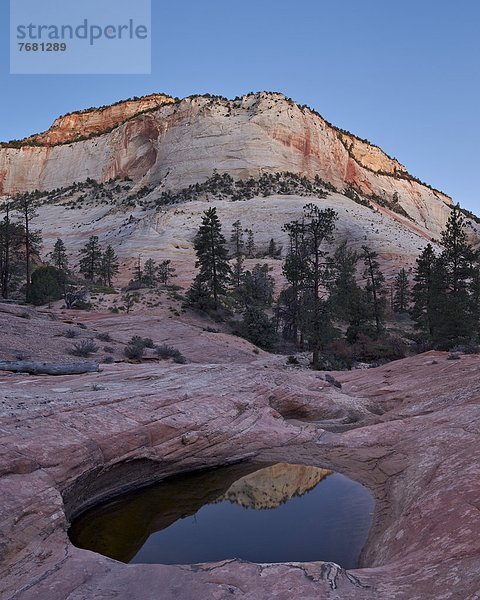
[{"x": 173, "y": 143}]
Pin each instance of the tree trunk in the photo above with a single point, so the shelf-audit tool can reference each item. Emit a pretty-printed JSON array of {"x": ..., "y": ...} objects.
[
  {"x": 27, "y": 250},
  {"x": 42, "y": 368}
]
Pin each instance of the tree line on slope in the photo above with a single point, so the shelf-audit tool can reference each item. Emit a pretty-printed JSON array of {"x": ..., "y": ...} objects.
[
  {"x": 323, "y": 304},
  {"x": 323, "y": 308}
]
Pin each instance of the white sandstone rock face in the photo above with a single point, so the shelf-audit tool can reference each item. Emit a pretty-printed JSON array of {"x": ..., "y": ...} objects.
[
  {"x": 183, "y": 142},
  {"x": 169, "y": 232}
]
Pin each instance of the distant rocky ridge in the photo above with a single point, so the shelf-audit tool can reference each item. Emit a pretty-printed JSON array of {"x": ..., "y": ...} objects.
[
  {"x": 90, "y": 122},
  {"x": 168, "y": 143}
]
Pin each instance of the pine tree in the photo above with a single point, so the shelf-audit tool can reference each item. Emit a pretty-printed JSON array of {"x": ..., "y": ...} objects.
[
  {"x": 256, "y": 288},
  {"x": 129, "y": 300},
  {"x": 272, "y": 249},
  {"x": 457, "y": 253},
  {"x": 12, "y": 257},
  {"x": 237, "y": 239},
  {"x": 58, "y": 256},
  {"x": 306, "y": 270},
  {"x": 344, "y": 290},
  {"x": 457, "y": 323},
  {"x": 426, "y": 292},
  {"x": 401, "y": 294},
  {"x": 91, "y": 258},
  {"x": 238, "y": 271},
  {"x": 250, "y": 247},
  {"x": 165, "y": 272},
  {"x": 474, "y": 289},
  {"x": 109, "y": 267},
  {"x": 199, "y": 295},
  {"x": 318, "y": 227},
  {"x": 25, "y": 205},
  {"x": 375, "y": 290},
  {"x": 137, "y": 270},
  {"x": 294, "y": 271},
  {"x": 212, "y": 258},
  {"x": 149, "y": 276},
  {"x": 238, "y": 253}
]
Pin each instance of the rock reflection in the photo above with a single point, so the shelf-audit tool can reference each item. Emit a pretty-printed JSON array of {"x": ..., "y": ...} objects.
[
  {"x": 262, "y": 513},
  {"x": 274, "y": 485}
]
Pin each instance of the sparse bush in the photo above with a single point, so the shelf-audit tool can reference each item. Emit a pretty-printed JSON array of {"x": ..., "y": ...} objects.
[
  {"x": 80, "y": 305},
  {"x": 165, "y": 352},
  {"x": 134, "y": 285},
  {"x": 453, "y": 356},
  {"x": 71, "y": 333},
  {"x": 135, "y": 348},
  {"x": 104, "y": 337},
  {"x": 76, "y": 298},
  {"x": 109, "y": 349},
  {"x": 84, "y": 348},
  {"x": 468, "y": 348},
  {"x": 292, "y": 360},
  {"x": 108, "y": 360}
]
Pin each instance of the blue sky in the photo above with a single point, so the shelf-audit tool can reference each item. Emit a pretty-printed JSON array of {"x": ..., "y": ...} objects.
[{"x": 405, "y": 74}]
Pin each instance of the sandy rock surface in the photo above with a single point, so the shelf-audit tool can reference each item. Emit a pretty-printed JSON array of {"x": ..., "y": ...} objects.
[{"x": 68, "y": 442}]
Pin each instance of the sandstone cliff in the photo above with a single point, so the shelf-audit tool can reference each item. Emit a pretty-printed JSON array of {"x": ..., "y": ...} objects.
[{"x": 173, "y": 143}]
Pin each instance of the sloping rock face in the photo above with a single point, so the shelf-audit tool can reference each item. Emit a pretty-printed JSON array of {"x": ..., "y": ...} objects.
[
  {"x": 69, "y": 442},
  {"x": 94, "y": 121},
  {"x": 183, "y": 142}
]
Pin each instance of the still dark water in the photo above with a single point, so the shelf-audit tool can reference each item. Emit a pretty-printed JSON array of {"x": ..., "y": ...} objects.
[{"x": 259, "y": 513}]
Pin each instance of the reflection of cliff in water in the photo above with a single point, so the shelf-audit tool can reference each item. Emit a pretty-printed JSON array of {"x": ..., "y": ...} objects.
[
  {"x": 119, "y": 528},
  {"x": 274, "y": 485}
]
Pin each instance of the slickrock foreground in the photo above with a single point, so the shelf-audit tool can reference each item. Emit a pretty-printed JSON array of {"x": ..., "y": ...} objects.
[{"x": 409, "y": 431}]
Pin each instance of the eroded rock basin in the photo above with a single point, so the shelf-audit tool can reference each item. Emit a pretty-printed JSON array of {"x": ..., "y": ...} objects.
[
  {"x": 264, "y": 514},
  {"x": 69, "y": 443}
]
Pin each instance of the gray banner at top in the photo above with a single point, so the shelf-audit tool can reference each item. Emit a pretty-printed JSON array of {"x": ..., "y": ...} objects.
[{"x": 89, "y": 37}]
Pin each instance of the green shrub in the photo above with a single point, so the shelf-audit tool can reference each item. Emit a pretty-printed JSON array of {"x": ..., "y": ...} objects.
[
  {"x": 165, "y": 352},
  {"x": 84, "y": 348},
  {"x": 47, "y": 285},
  {"x": 257, "y": 328},
  {"x": 134, "y": 350},
  {"x": 104, "y": 337}
]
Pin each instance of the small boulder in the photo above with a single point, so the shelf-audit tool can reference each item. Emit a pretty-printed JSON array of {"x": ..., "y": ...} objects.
[
  {"x": 189, "y": 438},
  {"x": 332, "y": 381}
]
